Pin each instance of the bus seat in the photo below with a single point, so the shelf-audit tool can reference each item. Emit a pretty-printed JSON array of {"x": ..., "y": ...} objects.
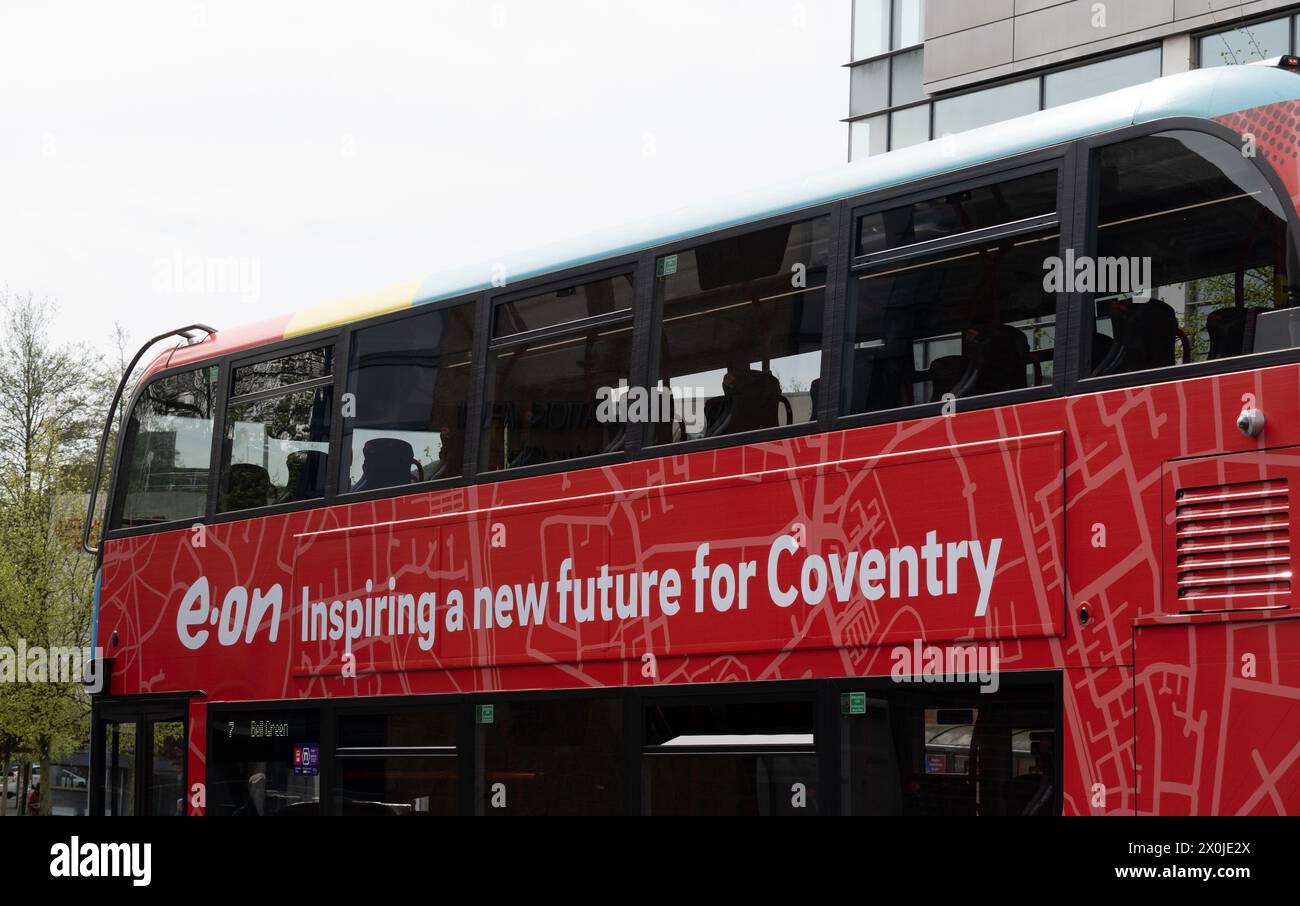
[
  {"x": 945, "y": 373},
  {"x": 1144, "y": 337},
  {"x": 1231, "y": 331},
  {"x": 996, "y": 357},
  {"x": 386, "y": 462},
  {"x": 306, "y": 475},
  {"x": 247, "y": 485},
  {"x": 750, "y": 400},
  {"x": 882, "y": 377}
]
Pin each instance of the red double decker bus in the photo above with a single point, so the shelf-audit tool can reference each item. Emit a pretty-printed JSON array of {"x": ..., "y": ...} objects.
[{"x": 954, "y": 481}]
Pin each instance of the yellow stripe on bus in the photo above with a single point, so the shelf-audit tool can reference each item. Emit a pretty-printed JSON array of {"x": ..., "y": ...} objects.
[{"x": 352, "y": 308}]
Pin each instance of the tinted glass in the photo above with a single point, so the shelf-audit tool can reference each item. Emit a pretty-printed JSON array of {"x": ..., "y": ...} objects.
[
  {"x": 168, "y": 451},
  {"x": 552, "y": 758},
  {"x": 119, "y": 767},
  {"x": 958, "y": 212},
  {"x": 277, "y": 449},
  {"x": 1099, "y": 78},
  {"x": 167, "y": 769},
  {"x": 956, "y": 752},
  {"x": 573, "y": 303},
  {"x": 965, "y": 323},
  {"x": 730, "y": 758},
  {"x": 410, "y": 382},
  {"x": 1247, "y": 44},
  {"x": 741, "y": 336},
  {"x": 252, "y": 768},
  {"x": 1192, "y": 256},
  {"x": 400, "y": 763},
  {"x": 544, "y": 397},
  {"x": 979, "y": 108},
  {"x": 282, "y": 372}
]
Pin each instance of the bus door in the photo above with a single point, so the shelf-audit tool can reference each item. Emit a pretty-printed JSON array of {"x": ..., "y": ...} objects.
[{"x": 138, "y": 753}]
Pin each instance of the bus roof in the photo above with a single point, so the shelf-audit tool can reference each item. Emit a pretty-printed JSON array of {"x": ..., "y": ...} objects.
[{"x": 1204, "y": 93}]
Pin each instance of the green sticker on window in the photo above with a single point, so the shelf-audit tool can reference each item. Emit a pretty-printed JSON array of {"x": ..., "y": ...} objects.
[
  {"x": 853, "y": 703},
  {"x": 486, "y": 714},
  {"x": 667, "y": 266}
]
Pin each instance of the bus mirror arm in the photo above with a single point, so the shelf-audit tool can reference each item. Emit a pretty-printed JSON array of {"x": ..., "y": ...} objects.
[{"x": 187, "y": 332}]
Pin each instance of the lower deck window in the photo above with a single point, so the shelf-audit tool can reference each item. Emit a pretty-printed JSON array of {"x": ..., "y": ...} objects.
[
  {"x": 942, "y": 749},
  {"x": 256, "y": 766},
  {"x": 950, "y": 751}
]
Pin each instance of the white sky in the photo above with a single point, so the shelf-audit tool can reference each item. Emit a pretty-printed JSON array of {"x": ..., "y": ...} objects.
[{"x": 338, "y": 148}]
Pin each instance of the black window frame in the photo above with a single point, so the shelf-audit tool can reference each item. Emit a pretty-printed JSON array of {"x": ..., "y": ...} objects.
[
  {"x": 834, "y": 289},
  {"x": 1076, "y": 211},
  {"x": 485, "y": 344},
  {"x": 1089, "y": 188},
  {"x": 225, "y": 398},
  {"x": 343, "y": 351},
  {"x": 824, "y": 694},
  {"x": 1059, "y": 158}
]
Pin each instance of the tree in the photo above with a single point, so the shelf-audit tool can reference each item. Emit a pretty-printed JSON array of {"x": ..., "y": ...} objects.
[{"x": 51, "y": 400}]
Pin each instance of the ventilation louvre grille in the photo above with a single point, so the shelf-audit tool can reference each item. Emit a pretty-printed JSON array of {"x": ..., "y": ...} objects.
[{"x": 1233, "y": 545}]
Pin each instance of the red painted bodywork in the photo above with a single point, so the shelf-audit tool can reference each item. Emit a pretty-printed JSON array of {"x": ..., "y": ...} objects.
[{"x": 1082, "y": 490}]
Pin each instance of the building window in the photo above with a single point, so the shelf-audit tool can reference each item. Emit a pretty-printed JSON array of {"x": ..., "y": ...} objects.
[
  {"x": 167, "y": 454},
  {"x": 410, "y": 381},
  {"x": 868, "y": 137},
  {"x": 889, "y": 30},
  {"x": 907, "y": 16},
  {"x": 1098, "y": 78},
  {"x": 905, "y": 79},
  {"x": 909, "y": 126},
  {"x": 905, "y": 122},
  {"x": 870, "y": 28},
  {"x": 1194, "y": 244},
  {"x": 1245, "y": 43},
  {"x": 979, "y": 108}
]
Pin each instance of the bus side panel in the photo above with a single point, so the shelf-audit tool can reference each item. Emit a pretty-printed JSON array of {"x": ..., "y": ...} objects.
[
  {"x": 1218, "y": 707},
  {"x": 1099, "y": 776}
]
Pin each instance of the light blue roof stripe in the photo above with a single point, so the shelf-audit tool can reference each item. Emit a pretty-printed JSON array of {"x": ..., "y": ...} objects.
[{"x": 1203, "y": 93}]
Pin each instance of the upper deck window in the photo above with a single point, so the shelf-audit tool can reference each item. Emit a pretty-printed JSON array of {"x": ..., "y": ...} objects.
[
  {"x": 410, "y": 382},
  {"x": 543, "y": 398},
  {"x": 741, "y": 338},
  {"x": 277, "y": 431},
  {"x": 949, "y": 297},
  {"x": 1193, "y": 257},
  {"x": 957, "y": 212},
  {"x": 167, "y": 451}
]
